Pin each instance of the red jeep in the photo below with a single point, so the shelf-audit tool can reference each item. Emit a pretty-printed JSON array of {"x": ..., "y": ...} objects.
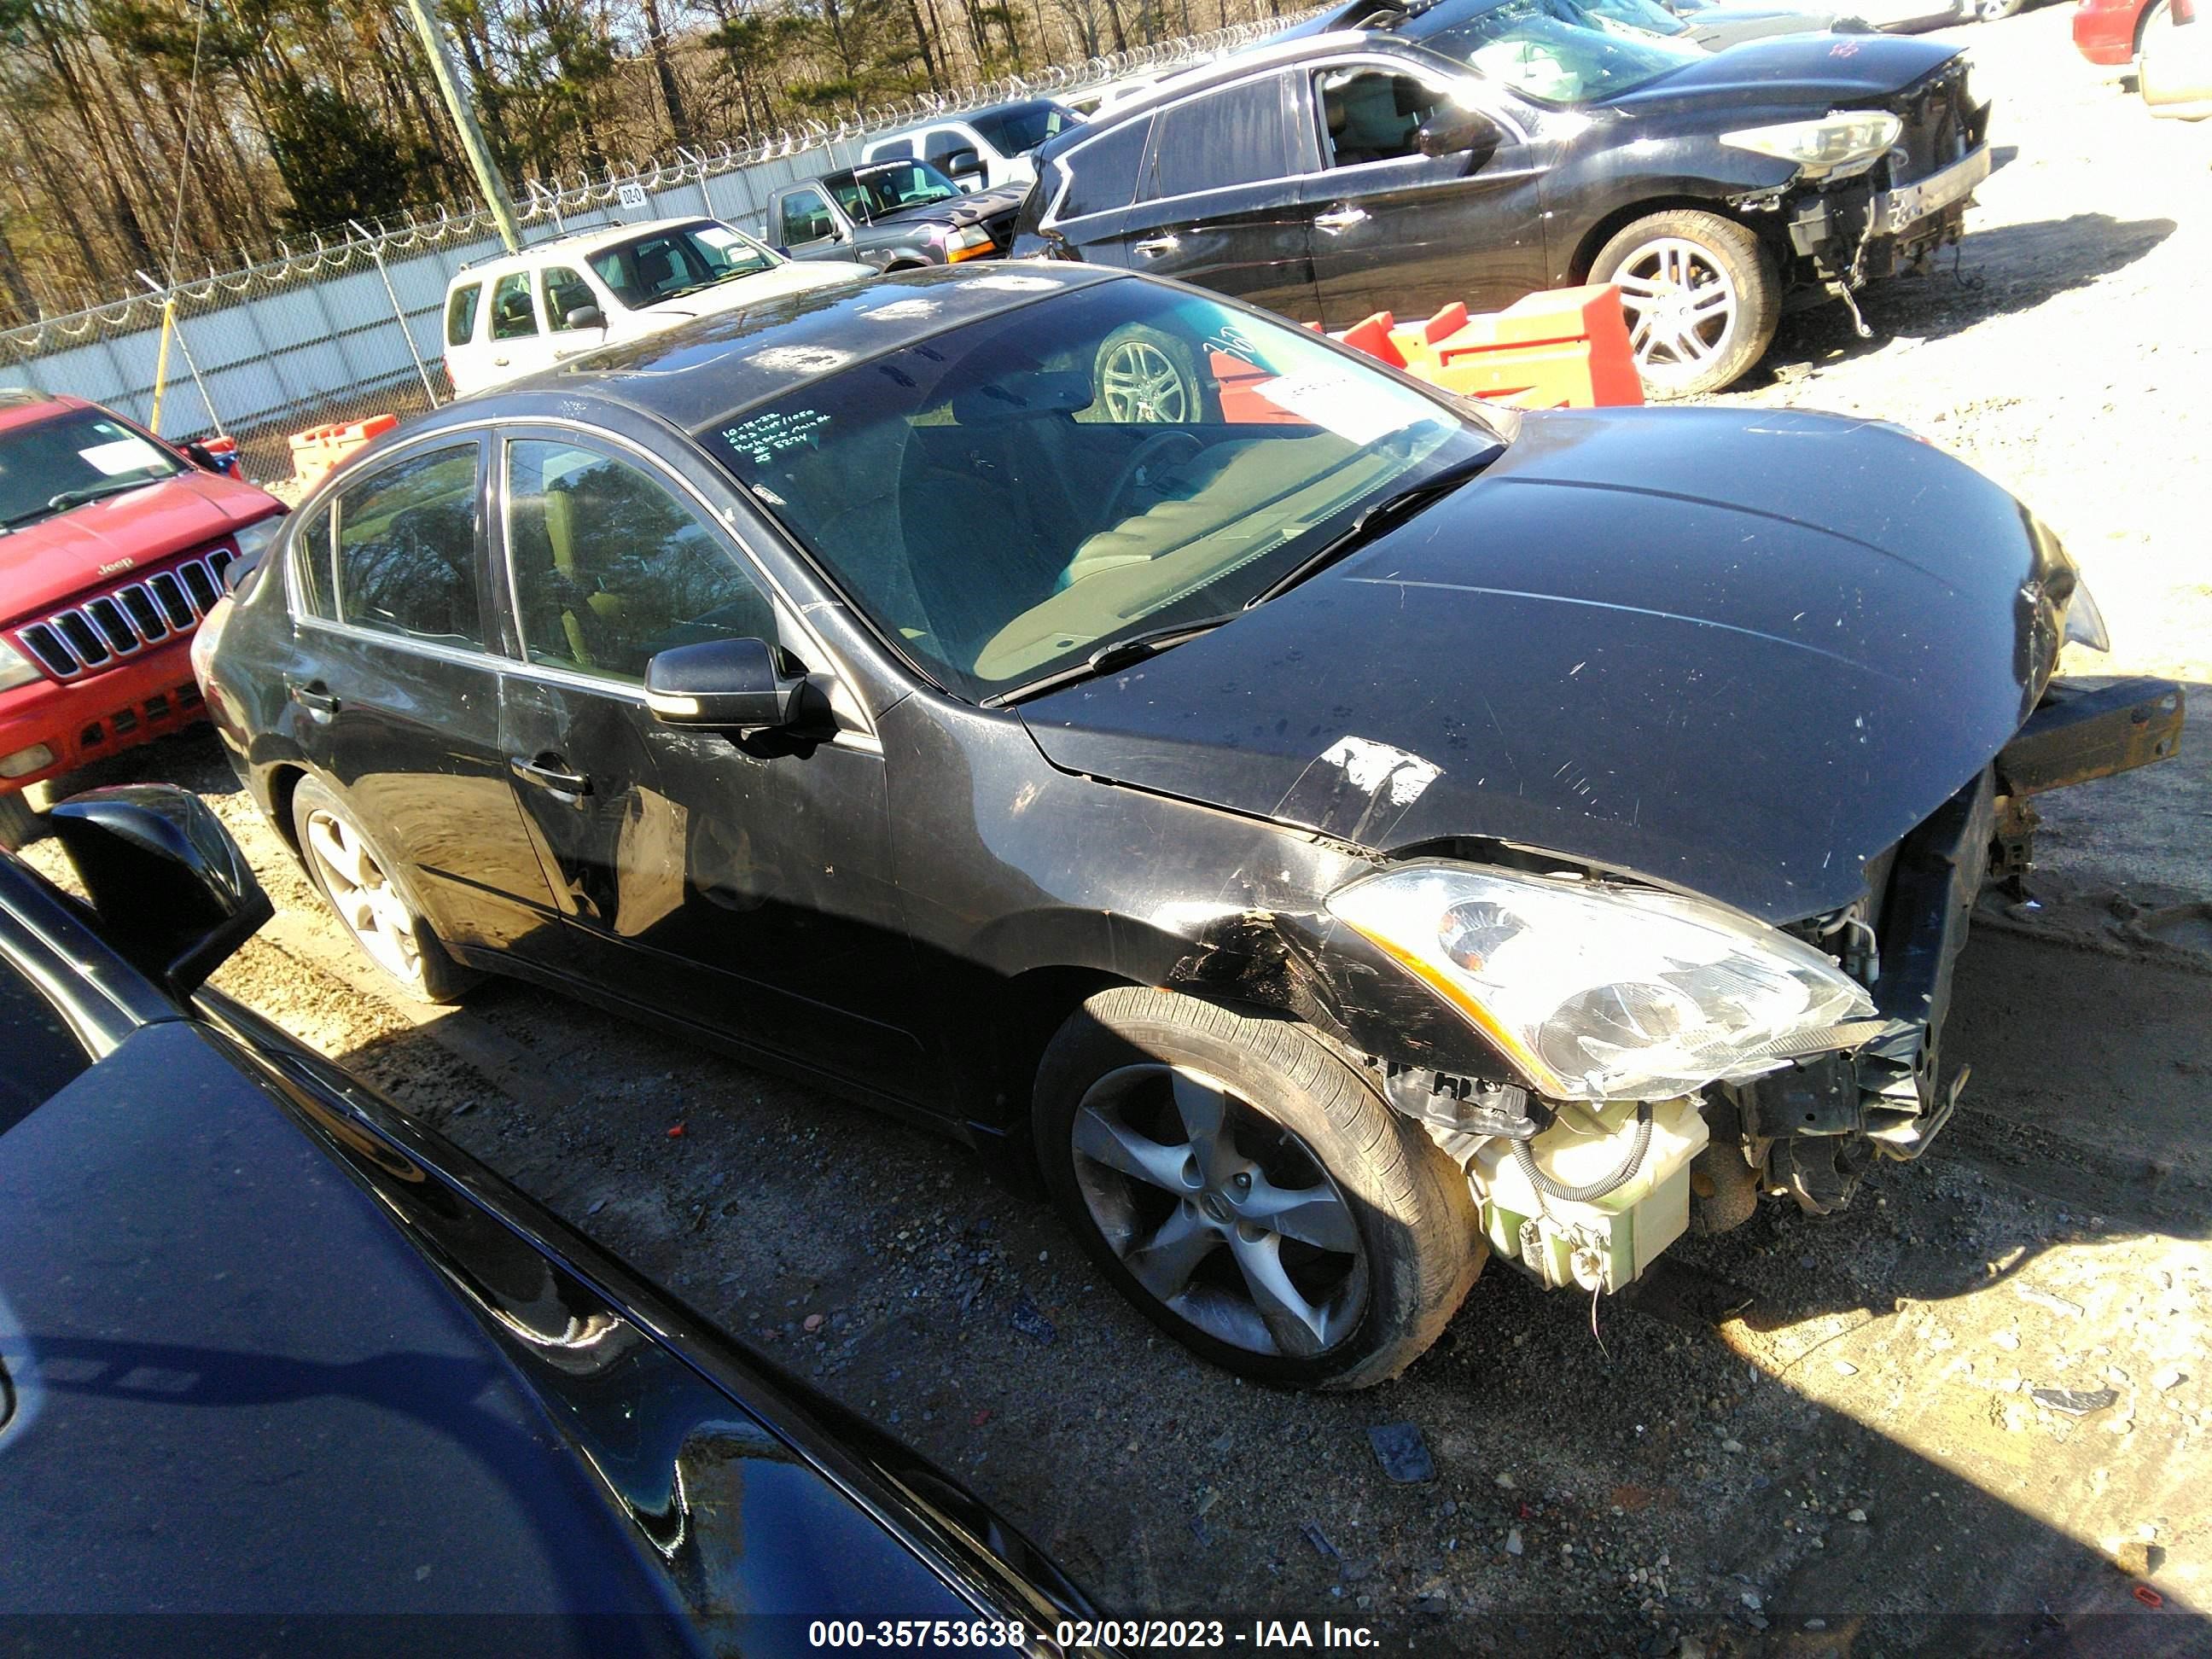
[{"x": 113, "y": 546}]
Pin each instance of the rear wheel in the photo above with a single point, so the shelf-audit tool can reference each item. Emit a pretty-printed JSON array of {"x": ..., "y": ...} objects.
[
  {"x": 1995, "y": 11},
  {"x": 19, "y": 825},
  {"x": 353, "y": 876},
  {"x": 1243, "y": 1185},
  {"x": 1701, "y": 295}
]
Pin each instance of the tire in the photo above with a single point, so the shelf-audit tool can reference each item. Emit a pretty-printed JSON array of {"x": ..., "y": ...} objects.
[
  {"x": 1995, "y": 11},
  {"x": 2154, "y": 16},
  {"x": 1143, "y": 377},
  {"x": 1664, "y": 257},
  {"x": 378, "y": 916},
  {"x": 1371, "y": 1228},
  {"x": 19, "y": 825}
]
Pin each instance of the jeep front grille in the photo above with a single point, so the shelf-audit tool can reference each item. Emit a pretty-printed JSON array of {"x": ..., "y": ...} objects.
[{"x": 109, "y": 628}]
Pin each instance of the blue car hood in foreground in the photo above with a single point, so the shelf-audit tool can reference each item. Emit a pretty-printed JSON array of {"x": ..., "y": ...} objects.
[{"x": 1735, "y": 653}]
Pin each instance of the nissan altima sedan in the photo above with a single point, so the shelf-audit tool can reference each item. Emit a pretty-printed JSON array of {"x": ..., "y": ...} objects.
[{"x": 1333, "y": 832}]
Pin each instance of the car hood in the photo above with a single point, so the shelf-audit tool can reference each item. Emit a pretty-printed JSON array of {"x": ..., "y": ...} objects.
[
  {"x": 1816, "y": 72},
  {"x": 965, "y": 210},
  {"x": 1733, "y": 652},
  {"x": 45, "y": 564},
  {"x": 1721, "y": 26}
]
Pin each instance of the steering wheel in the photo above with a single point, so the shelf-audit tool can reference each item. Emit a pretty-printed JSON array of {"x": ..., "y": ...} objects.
[{"x": 1152, "y": 446}]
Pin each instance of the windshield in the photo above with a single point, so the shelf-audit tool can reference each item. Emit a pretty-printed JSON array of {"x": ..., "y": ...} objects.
[
  {"x": 1019, "y": 131},
  {"x": 869, "y": 192},
  {"x": 1557, "y": 50},
  {"x": 51, "y": 466},
  {"x": 1007, "y": 498},
  {"x": 667, "y": 262}
]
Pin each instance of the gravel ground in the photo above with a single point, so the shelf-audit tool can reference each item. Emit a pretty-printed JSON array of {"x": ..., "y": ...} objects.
[{"x": 1852, "y": 1460}]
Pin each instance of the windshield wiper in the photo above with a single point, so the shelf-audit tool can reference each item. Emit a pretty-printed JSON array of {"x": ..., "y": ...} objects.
[
  {"x": 69, "y": 498},
  {"x": 1382, "y": 516},
  {"x": 1115, "y": 653}
]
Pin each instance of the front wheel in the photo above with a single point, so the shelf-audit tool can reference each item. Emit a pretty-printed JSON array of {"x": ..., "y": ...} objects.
[
  {"x": 1242, "y": 1184},
  {"x": 1701, "y": 295}
]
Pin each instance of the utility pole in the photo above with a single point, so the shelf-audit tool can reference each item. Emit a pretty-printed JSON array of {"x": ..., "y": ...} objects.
[{"x": 464, "y": 120}]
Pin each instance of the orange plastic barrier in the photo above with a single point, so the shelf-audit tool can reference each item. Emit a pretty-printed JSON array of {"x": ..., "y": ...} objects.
[
  {"x": 1565, "y": 348},
  {"x": 319, "y": 448}
]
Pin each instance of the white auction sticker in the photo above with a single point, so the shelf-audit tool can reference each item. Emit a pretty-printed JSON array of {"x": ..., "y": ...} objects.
[
  {"x": 1352, "y": 407},
  {"x": 121, "y": 456}
]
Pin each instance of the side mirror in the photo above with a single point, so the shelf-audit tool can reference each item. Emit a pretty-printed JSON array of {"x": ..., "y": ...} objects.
[
  {"x": 723, "y": 685},
  {"x": 174, "y": 895},
  {"x": 964, "y": 164},
  {"x": 585, "y": 317},
  {"x": 1456, "y": 129}
]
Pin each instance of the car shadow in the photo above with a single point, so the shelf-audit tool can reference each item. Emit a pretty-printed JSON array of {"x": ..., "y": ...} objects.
[{"x": 1992, "y": 273}]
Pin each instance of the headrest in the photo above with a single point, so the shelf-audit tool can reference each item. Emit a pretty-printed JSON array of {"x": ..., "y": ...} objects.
[{"x": 1023, "y": 396}]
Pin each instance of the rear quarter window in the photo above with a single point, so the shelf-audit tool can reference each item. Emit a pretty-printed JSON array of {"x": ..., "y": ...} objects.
[
  {"x": 1236, "y": 136},
  {"x": 461, "y": 313},
  {"x": 311, "y": 567},
  {"x": 1102, "y": 172},
  {"x": 44, "y": 1055}
]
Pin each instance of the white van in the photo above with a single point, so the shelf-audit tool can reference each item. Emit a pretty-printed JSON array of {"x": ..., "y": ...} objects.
[
  {"x": 521, "y": 313},
  {"x": 979, "y": 148}
]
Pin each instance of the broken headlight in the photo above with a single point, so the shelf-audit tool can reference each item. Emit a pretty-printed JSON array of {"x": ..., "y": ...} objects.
[
  {"x": 1599, "y": 992},
  {"x": 1838, "y": 144}
]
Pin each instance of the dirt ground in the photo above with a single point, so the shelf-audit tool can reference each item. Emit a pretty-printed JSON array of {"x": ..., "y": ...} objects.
[{"x": 1854, "y": 1460}]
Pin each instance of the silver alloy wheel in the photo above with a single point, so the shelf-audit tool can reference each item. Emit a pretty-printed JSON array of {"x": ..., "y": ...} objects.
[
  {"x": 1140, "y": 385},
  {"x": 364, "y": 897},
  {"x": 1229, "y": 1220},
  {"x": 1682, "y": 305}
]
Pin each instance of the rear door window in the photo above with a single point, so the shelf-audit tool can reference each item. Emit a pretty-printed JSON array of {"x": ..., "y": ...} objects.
[
  {"x": 461, "y": 313},
  {"x": 1237, "y": 136},
  {"x": 407, "y": 550},
  {"x": 611, "y": 566},
  {"x": 512, "y": 317}
]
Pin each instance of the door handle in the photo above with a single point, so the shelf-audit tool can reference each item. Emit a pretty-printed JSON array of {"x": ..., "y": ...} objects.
[
  {"x": 564, "y": 785},
  {"x": 1342, "y": 218},
  {"x": 1159, "y": 244},
  {"x": 315, "y": 697}
]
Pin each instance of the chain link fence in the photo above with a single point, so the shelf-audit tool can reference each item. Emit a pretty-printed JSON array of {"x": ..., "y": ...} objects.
[{"x": 349, "y": 326}]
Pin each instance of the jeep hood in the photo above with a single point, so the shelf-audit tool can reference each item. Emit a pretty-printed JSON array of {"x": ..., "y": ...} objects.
[
  {"x": 1812, "y": 72},
  {"x": 1732, "y": 652},
  {"x": 47, "y": 563}
]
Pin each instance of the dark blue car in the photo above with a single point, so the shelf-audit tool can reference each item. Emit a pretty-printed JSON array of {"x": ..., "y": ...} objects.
[{"x": 280, "y": 1364}]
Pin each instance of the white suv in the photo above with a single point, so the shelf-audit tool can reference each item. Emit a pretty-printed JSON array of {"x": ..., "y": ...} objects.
[
  {"x": 520, "y": 312},
  {"x": 980, "y": 148}
]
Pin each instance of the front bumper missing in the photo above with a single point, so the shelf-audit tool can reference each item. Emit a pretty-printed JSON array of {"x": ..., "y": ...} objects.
[
  {"x": 1895, "y": 211},
  {"x": 2079, "y": 732}
]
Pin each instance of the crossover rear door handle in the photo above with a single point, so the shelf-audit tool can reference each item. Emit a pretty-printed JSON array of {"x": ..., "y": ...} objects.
[
  {"x": 1342, "y": 218},
  {"x": 315, "y": 697},
  {"x": 1159, "y": 244},
  {"x": 550, "y": 773}
]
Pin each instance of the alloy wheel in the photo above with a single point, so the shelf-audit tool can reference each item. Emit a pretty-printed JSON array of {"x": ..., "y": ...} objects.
[
  {"x": 363, "y": 896},
  {"x": 1682, "y": 308},
  {"x": 1222, "y": 1216},
  {"x": 1141, "y": 385}
]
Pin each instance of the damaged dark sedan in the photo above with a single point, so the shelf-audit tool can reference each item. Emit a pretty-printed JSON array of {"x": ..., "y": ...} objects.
[
  {"x": 1331, "y": 833},
  {"x": 1399, "y": 157}
]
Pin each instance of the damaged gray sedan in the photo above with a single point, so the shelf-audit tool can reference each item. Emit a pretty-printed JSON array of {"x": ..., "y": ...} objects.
[{"x": 1333, "y": 834}]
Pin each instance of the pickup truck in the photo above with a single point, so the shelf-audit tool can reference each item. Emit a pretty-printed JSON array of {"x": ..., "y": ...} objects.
[{"x": 893, "y": 215}]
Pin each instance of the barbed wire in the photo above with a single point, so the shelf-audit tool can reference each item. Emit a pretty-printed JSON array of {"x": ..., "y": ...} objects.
[{"x": 544, "y": 200}]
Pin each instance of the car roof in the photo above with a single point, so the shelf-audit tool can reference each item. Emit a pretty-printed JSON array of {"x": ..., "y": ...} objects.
[
  {"x": 580, "y": 241},
  {"x": 23, "y": 406},
  {"x": 701, "y": 373}
]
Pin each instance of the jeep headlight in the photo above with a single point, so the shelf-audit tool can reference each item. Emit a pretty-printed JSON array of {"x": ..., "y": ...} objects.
[
  {"x": 256, "y": 538},
  {"x": 16, "y": 668},
  {"x": 1840, "y": 143},
  {"x": 1599, "y": 992}
]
